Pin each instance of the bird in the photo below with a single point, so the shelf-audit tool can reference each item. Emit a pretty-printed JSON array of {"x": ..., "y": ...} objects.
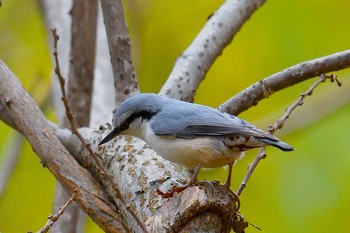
[{"x": 189, "y": 134}]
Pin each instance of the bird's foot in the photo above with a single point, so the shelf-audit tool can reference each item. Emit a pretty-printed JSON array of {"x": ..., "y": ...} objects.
[
  {"x": 177, "y": 189},
  {"x": 227, "y": 183}
]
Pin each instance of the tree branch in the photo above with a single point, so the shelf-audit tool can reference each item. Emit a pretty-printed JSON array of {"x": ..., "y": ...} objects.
[
  {"x": 30, "y": 120},
  {"x": 141, "y": 173},
  {"x": 192, "y": 65},
  {"x": 125, "y": 81},
  {"x": 102, "y": 102},
  {"x": 283, "y": 79},
  {"x": 82, "y": 59}
]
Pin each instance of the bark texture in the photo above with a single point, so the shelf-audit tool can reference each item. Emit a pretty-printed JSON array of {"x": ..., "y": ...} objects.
[
  {"x": 120, "y": 50},
  {"x": 29, "y": 119}
]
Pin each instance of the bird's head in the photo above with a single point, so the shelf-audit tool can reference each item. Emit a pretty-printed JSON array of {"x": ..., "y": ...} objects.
[{"x": 129, "y": 116}]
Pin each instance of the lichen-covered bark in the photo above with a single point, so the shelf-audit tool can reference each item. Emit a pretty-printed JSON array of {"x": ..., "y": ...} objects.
[{"x": 141, "y": 174}]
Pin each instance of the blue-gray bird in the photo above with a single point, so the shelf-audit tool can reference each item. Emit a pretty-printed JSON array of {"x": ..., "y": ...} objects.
[{"x": 189, "y": 134}]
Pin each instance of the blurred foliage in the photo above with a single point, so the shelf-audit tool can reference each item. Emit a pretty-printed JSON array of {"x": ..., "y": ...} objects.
[{"x": 303, "y": 191}]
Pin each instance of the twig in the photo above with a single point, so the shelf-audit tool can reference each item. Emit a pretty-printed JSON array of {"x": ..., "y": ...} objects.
[
  {"x": 86, "y": 145},
  {"x": 53, "y": 218},
  {"x": 279, "y": 124}
]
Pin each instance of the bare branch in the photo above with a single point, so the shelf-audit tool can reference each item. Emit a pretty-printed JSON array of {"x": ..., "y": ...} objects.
[
  {"x": 192, "y": 65},
  {"x": 30, "y": 120},
  {"x": 53, "y": 218},
  {"x": 279, "y": 124},
  {"x": 82, "y": 59},
  {"x": 283, "y": 79},
  {"x": 62, "y": 81},
  {"x": 261, "y": 155},
  {"x": 102, "y": 100},
  {"x": 125, "y": 81}
]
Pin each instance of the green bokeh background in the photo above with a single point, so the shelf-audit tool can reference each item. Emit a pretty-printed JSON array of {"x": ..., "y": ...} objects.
[{"x": 303, "y": 191}]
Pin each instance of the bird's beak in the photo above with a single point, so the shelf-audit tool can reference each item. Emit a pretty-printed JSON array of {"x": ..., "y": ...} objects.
[{"x": 110, "y": 136}]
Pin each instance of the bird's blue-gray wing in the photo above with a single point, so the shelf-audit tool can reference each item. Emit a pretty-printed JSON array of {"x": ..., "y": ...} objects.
[{"x": 190, "y": 124}]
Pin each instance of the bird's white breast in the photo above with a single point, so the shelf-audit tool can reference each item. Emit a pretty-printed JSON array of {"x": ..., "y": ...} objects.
[{"x": 210, "y": 152}]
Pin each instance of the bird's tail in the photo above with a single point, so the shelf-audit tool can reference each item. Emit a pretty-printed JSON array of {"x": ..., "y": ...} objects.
[{"x": 277, "y": 143}]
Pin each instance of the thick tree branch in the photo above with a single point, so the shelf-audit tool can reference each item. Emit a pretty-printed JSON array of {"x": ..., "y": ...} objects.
[
  {"x": 283, "y": 79},
  {"x": 82, "y": 59},
  {"x": 141, "y": 173},
  {"x": 191, "y": 67},
  {"x": 125, "y": 81},
  {"x": 30, "y": 120}
]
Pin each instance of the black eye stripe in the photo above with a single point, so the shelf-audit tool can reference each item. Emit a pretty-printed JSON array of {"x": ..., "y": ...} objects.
[{"x": 147, "y": 115}]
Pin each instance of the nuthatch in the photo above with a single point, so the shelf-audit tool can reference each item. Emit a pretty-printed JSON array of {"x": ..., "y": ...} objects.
[{"x": 189, "y": 134}]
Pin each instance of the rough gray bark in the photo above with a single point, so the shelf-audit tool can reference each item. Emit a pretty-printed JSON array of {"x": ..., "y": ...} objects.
[
  {"x": 125, "y": 81},
  {"x": 82, "y": 60},
  {"x": 27, "y": 116},
  {"x": 141, "y": 186}
]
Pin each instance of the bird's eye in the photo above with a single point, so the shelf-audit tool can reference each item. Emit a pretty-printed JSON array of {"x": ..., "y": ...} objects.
[{"x": 124, "y": 126}]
